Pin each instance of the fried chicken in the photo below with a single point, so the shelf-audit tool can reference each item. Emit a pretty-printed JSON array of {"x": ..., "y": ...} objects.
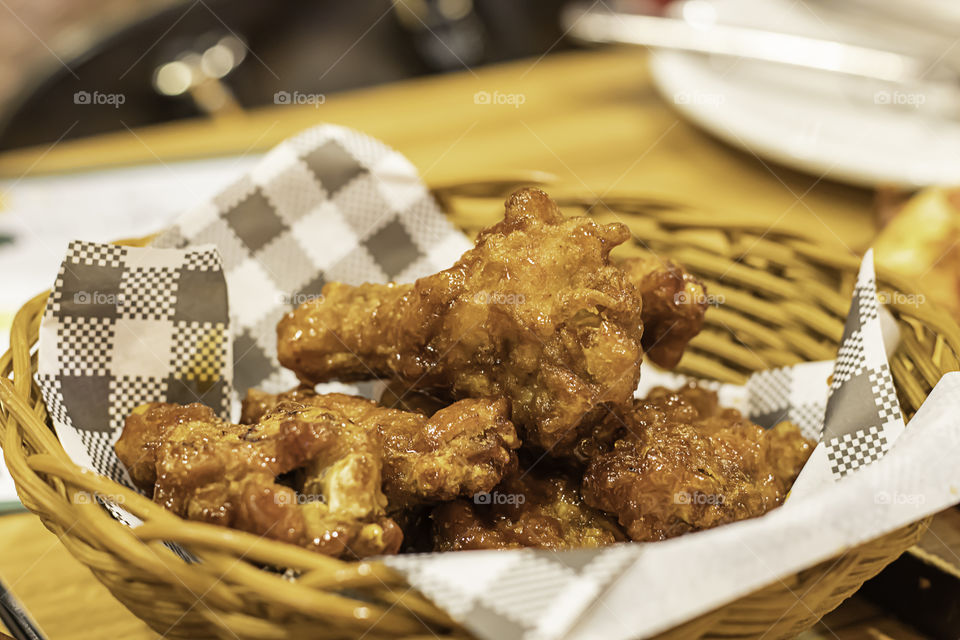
[
  {"x": 535, "y": 312},
  {"x": 674, "y": 303},
  {"x": 257, "y": 404},
  {"x": 676, "y": 463},
  {"x": 206, "y": 469},
  {"x": 460, "y": 450},
  {"x": 529, "y": 509}
]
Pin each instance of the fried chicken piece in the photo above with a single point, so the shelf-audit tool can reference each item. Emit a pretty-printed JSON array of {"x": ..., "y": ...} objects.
[
  {"x": 681, "y": 464},
  {"x": 534, "y": 312},
  {"x": 529, "y": 509},
  {"x": 257, "y": 404},
  {"x": 206, "y": 469},
  {"x": 674, "y": 303},
  {"x": 460, "y": 450}
]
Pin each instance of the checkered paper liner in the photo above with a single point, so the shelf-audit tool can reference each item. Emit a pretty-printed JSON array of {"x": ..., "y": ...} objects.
[
  {"x": 862, "y": 418},
  {"x": 333, "y": 204},
  {"x": 329, "y": 204},
  {"x": 124, "y": 326}
]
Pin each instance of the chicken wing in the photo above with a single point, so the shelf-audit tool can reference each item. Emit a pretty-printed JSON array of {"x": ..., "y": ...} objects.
[
  {"x": 676, "y": 463},
  {"x": 529, "y": 509},
  {"x": 674, "y": 304},
  {"x": 460, "y": 450},
  {"x": 535, "y": 312},
  {"x": 204, "y": 468}
]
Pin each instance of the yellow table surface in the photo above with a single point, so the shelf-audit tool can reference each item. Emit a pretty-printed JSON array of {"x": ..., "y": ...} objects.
[
  {"x": 592, "y": 119},
  {"x": 60, "y": 593}
]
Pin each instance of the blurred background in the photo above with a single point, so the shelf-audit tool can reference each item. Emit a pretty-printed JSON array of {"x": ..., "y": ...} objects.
[
  {"x": 172, "y": 59},
  {"x": 838, "y": 116},
  {"x": 855, "y": 100}
]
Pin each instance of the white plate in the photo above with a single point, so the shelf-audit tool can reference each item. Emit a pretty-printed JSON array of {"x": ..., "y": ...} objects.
[{"x": 824, "y": 124}]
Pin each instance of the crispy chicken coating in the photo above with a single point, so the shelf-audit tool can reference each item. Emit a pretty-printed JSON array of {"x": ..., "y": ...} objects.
[
  {"x": 206, "y": 469},
  {"x": 535, "y": 312},
  {"x": 529, "y": 509},
  {"x": 674, "y": 303},
  {"x": 460, "y": 450},
  {"x": 257, "y": 404},
  {"x": 680, "y": 464}
]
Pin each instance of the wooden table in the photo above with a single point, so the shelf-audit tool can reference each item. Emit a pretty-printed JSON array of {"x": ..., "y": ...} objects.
[
  {"x": 61, "y": 594},
  {"x": 591, "y": 119}
]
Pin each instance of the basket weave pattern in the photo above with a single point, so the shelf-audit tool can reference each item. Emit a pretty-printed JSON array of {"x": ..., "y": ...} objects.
[{"x": 785, "y": 297}]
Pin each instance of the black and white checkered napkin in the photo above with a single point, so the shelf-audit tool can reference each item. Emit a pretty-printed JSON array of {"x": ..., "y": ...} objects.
[
  {"x": 797, "y": 394},
  {"x": 513, "y": 595},
  {"x": 124, "y": 326},
  {"x": 863, "y": 416},
  {"x": 328, "y": 204}
]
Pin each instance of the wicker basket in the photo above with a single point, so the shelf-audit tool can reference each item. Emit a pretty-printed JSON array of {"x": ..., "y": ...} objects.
[{"x": 786, "y": 297}]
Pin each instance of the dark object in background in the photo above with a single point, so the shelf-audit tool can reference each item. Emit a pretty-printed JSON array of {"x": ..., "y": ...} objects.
[
  {"x": 919, "y": 594},
  {"x": 922, "y": 587},
  {"x": 306, "y": 47},
  {"x": 16, "y": 619}
]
